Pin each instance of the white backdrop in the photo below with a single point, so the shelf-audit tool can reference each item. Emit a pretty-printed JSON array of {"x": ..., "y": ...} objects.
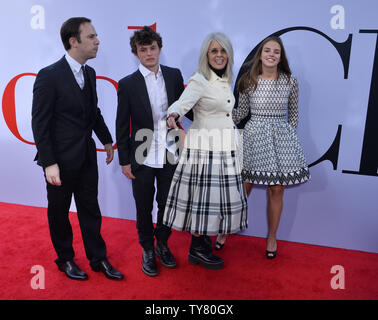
[{"x": 336, "y": 208}]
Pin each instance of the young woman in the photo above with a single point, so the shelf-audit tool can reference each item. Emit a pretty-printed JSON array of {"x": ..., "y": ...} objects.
[
  {"x": 207, "y": 196},
  {"x": 272, "y": 154}
]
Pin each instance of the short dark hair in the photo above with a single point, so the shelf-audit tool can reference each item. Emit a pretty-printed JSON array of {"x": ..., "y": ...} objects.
[
  {"x": 145, "y": 36},
  {"x": 71, "y": 28}
]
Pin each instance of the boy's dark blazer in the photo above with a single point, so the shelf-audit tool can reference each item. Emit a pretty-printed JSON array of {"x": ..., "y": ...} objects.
[{"x": 134, "y": 109}]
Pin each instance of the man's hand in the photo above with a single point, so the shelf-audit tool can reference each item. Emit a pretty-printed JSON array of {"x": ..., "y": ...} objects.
[
  {"x": 53, "y": 175},
  {"x": 109, "y": 153},
  {"x": 126, "y": 170}
]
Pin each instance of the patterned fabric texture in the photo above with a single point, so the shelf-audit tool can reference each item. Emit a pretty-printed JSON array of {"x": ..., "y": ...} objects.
[
  {"x": 272, "y": 154},
  {"x": 207, "y": 195}
]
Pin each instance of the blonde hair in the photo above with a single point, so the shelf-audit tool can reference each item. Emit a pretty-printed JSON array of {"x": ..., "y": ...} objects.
[{"x": 203, "y": 64}]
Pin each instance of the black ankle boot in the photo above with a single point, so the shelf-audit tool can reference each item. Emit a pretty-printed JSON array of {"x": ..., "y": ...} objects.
[
  {"x": 200, "y": 253},
  {"x": 207, "y": 241}
]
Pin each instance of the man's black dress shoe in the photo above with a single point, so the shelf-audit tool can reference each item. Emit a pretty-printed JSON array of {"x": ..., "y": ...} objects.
[
  {"x": 107, "y": 269},
  {"x": 72, "y": 271},
  {"x": 164, "y": 254},
  {"x": 149, "y": 266}
]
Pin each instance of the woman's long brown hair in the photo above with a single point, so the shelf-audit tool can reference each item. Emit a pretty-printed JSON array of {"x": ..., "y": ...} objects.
[{"x": 250, "y": 78}]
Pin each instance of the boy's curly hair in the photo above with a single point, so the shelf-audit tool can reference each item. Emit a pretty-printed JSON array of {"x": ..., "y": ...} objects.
[{"x": 145, "y": 36}]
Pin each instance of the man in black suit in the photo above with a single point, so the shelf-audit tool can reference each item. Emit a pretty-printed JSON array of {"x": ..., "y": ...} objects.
[
  {"x": 64, "y": 114},
  {"x": 143, "y": 99}
]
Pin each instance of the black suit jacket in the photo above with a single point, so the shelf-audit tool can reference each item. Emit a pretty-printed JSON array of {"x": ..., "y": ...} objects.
[
  {"x": 62, "y": 128},
  {"x": 134, "y": 109}
]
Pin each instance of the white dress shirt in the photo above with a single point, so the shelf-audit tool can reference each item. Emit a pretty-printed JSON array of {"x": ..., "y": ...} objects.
[
  {"x": 76, "y": 70},
  {"x": 157, "y": 94}
]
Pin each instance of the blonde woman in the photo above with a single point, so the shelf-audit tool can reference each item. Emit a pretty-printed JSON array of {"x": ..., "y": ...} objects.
[{"x": 207, "y": 196}]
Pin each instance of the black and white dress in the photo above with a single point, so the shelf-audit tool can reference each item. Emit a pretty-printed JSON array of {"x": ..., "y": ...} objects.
[
  {"x": 207, "y": 195},
  {"x": 272, "y": 154}
]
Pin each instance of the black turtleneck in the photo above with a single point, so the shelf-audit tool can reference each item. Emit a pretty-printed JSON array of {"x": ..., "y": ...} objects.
[{"x": 218, "y": 72}]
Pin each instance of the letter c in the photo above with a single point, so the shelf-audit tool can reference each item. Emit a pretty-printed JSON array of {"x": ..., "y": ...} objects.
[{"x": 9, "y": 106}]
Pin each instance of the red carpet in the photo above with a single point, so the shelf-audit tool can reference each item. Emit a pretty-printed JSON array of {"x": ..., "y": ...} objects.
[{"x": 300, "y": 271}]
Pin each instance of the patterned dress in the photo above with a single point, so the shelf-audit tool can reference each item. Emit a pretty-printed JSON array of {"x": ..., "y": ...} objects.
[{"x": 272, "y": 154}]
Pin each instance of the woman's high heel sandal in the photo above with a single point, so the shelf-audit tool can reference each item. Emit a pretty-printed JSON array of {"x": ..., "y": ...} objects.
[
  {"x": 218, "y": 245},
  {"x": 271, "y": 254}
]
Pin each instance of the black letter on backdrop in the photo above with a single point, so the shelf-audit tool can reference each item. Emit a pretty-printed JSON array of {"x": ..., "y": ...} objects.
[
  {"x": 343, "y": 49},
  {"x": 369, "y": 155}
]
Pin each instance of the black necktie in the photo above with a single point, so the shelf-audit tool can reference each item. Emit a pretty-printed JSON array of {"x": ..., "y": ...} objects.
[
  {"x": 86, "y": 90},
  {"x": 85, "y": 73}
]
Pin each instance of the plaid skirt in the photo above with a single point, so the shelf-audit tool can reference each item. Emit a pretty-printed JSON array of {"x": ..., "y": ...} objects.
[{"x": 207, "y": 195}]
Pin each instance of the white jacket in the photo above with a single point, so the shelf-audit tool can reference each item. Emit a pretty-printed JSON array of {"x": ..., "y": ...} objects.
[{"x": 212, "y": 102}]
